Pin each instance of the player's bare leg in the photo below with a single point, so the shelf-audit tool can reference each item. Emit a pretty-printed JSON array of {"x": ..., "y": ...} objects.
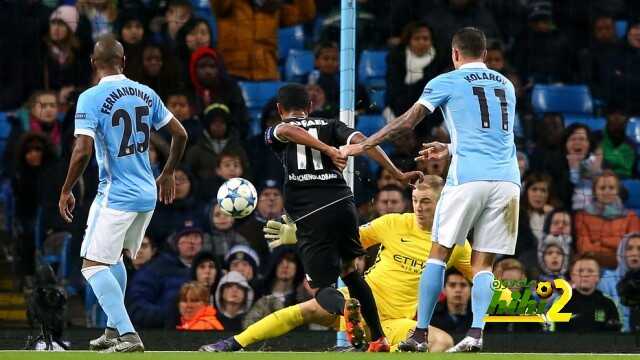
[
  {"x": 431, "y": 283},
  {"x": 481, "y": 293},
  {"x": 361, "y": 304},
  {"x": 111, "y": 299}
]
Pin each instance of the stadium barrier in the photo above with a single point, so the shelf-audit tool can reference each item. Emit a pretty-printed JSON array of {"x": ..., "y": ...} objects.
[{"x": 171, "y": 340}]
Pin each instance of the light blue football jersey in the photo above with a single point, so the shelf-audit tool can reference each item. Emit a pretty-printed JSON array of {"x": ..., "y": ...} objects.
[
  {"x": 479, "y": 106},
  {"x": 118, "y": 114}
]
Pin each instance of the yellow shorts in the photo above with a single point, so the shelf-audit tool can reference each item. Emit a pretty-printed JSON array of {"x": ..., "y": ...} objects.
[{"x": 396, "y": 330}]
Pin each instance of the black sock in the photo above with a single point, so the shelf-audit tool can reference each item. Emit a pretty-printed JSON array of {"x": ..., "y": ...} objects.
[
  {"x": 420, "y": 335},
  {"x": 359, "y": 289},
  {"x": 475, "y": 333},
  {"x": 331, "y": 300}
]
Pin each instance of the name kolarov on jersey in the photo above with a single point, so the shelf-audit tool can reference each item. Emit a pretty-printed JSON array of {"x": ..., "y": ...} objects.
[{"x": 484, "y": 76}]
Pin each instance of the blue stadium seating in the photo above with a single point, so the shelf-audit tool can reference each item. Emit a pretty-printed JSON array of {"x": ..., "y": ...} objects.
[
  {"x": 60, "y": 257},
  {"x": 633, "y": 130},
  {"x": 5, "y": 131},
  {"x": 367, "y": 125},
  {"x": 572, "y": 99},
  {"x": 95, "y": 316},
  {"x": 377, "y": 98},
  {"x": 633, "y": 187},
  {"x": 621, "y": 28},
  {"x": 290, "y": 38},
  {"x": 372, "y": 69},
  {"x": 593, "y": 122},
  {"x": 299, "y": 64},
  {"x": 256, "y": 94},
  {"x": 7, "y": 204}
]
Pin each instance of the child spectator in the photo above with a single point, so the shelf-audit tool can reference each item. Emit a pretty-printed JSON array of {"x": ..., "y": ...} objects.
[
  {"x": 223, "y": 236},
  {"x": 593, "y": 312},
  {"x": 196, "y": 313},
  {"x": 628, "y": 260},
  {"x": 327, "y": 75},
  {"x": 248, "y": 33},
  {"x": 270, "y": 206},
  {"x": 159, "y": 70},
  {"x": 206, "y": 270},
  {"x": 234, "y": 298},
  {"x": 495, "y": 59},
  {"x": 601, "y": 226},
  {"x": 618, "y": 151},
  {"x": 180, "y": 105},
  {"x": 410, "y": 66},
  {"x": 193, "y": 35},
  {"x": 211, "y": 84},
  {"x": 553, "y": 259}
]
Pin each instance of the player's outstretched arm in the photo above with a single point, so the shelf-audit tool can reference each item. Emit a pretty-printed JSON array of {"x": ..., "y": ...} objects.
[
  {"x": 166, "y": 181},
  {"x": 400, "y": 126},
  {"x": 298, "y": 135},
  {"x": 378, "y": 155},
  {"x": 82, "y": 151}
]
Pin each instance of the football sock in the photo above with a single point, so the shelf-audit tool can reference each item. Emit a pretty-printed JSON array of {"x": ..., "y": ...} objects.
[
  {"x": 120, "y": 273},
  {"x": 273, "y": 325},
  {"x": 420, "y": 335},
  {"x": 110, "y": 297},
  {"x": 431, "y": 283},
  {"x": 481, "y": 294},
  {"x": 359, "y": 289},
  {"x": 331, "y": 300}
]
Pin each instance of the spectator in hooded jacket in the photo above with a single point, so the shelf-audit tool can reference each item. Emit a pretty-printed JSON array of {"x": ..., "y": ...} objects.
[
  {"x": 217, "y": 137},
  {"x": 150, "y": 298},
  {"x": 410, "y": 66},
  {"x": 186, "y": 209},
  {"x": 248, "y": 33},
  {"x": 553, "y": 258},
  {"x": 628, "y": 255},
  {"x": 223, "y": 237},
  {"x": 211, "y": 84},
  {"x": 234, "y": 298},
  {"x": 603, "y": 224},
  {"x": 243, "y": 259},
  {"x": 206, "y": 269},
  {"x": 196, "y": 313}
]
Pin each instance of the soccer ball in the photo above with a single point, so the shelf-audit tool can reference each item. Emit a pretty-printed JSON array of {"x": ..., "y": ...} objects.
[
  {"x": 237, "y": 197},
  {"x": 544, "y": 289}
]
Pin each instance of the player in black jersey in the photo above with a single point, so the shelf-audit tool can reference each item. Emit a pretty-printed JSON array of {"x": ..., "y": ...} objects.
[{"x": 321, "y": 204}]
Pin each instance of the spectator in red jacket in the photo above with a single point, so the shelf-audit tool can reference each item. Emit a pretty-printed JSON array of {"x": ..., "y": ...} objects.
[
  {"x": 196, "y": 313},
  {"x": 601, "y": 226}
]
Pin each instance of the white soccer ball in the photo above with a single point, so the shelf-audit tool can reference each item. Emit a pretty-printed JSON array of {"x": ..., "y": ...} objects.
[{"x": 237, "y": 197}]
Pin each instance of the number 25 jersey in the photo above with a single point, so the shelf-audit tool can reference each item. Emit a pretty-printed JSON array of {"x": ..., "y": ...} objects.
[
  {"x": 311, "y": 178},
  {"x": 118, "y": 114},
  {"x": 479, "y": 106}
]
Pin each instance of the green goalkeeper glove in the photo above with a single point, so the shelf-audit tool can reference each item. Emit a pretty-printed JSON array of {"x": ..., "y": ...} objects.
[{"x": 280, "y": 233}]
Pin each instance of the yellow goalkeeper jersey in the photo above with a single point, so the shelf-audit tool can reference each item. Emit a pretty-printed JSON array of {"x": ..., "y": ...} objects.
[{"x": 395, "y": 276}]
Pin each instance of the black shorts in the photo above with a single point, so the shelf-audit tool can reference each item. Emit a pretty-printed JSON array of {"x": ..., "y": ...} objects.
[{"x": 326, "y": 239}]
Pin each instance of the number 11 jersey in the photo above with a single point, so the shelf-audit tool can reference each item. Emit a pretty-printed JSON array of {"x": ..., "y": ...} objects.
[
  {"x": 311, "y": 178},
  {"x": 118, "y": 114},
  {"x": 479, "y": 106}
]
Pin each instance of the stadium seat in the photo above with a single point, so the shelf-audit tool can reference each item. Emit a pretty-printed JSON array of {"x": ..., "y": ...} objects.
[
  {"x": 290, "y": 38},
  {"x": 593, "y": 122},
  {"x": 256, "y": 94},
  {"x": 377, "y": 98},
  {"x": 5, "y": 131},
  {"x": 52, "y": 249},
  {"x": 621, "y": 28},
  {"x": 299, "y": 64},
  {"x": 95, "y": 316},
  {"x": 571, "y": 99},
  {"x": 367, "y": 125},
  {"x": 633, "y": 130},
  {"x": 633, "y": 187},
  {"x": 372, "y": 69},
  {"x": 7, "y": 206}
]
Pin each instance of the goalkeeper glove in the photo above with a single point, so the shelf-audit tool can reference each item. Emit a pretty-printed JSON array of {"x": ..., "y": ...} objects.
[{"x": 280, "y": 233}]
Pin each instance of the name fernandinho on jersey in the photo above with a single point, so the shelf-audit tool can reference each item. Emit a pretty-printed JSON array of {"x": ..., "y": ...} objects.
[
  {"x": 485, "y": 76},
  {"x": 107, "y": 106},
  {"x": 308, "y": 122}
]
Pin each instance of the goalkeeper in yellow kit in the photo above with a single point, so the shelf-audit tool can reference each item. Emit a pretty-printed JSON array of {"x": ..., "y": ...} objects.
[{"x": 394, "y": 277}]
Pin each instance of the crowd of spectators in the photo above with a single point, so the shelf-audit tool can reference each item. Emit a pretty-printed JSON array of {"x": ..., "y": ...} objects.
[{"x": 200, "y": 269}]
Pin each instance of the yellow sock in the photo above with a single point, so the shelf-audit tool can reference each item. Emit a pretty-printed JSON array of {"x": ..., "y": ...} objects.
[{"x": 273, "y": 325}]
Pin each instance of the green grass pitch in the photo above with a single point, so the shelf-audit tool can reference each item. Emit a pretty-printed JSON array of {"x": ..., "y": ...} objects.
[{"x": 168, "y": 355}]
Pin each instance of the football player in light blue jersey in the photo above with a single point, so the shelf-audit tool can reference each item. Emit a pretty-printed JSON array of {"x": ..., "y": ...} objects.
[
  {"x": 483, "y": 185},
  {"x": 116, "y": 116}
]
